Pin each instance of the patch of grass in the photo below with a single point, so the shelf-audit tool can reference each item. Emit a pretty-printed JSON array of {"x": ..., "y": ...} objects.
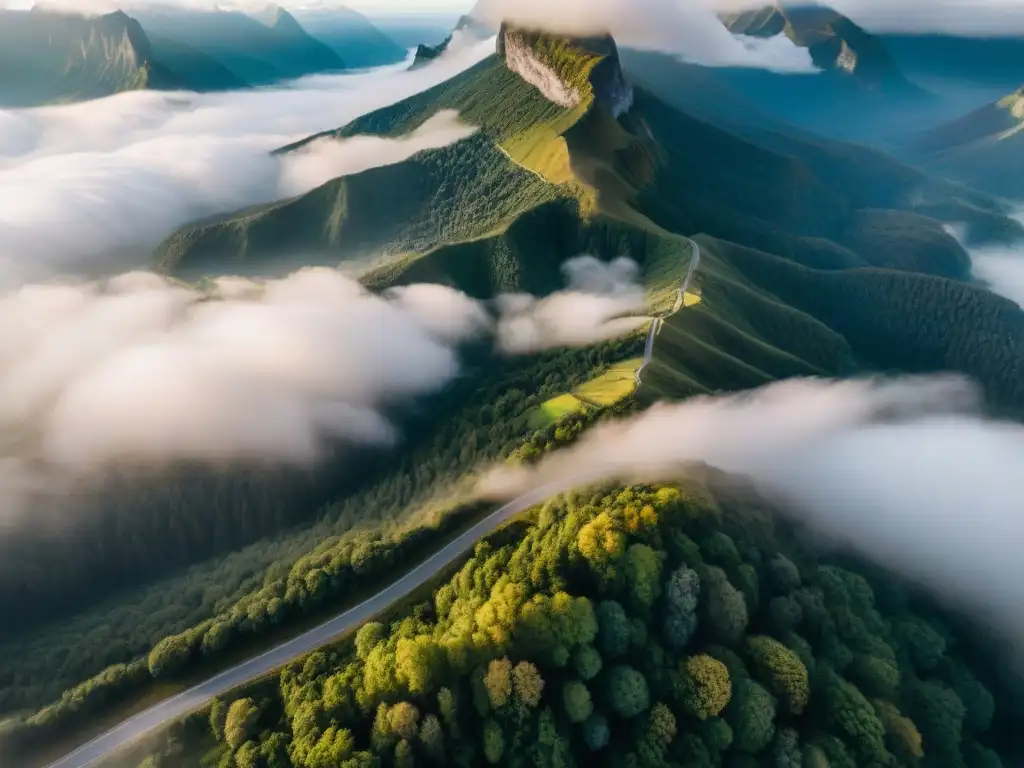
[
  {"x": 554, "y": 410},
  {"x": 615, "y": 384}
]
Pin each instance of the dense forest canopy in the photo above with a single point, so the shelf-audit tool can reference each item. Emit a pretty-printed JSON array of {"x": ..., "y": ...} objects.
[{"x": 638, "y": 626}]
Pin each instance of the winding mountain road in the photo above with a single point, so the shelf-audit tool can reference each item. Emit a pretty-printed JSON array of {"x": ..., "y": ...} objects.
[
  {"x": 194, "y": 698},
  {"x": 657, "y": 322}
]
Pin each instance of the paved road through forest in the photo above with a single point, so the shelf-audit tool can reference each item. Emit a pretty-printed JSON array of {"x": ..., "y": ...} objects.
[{"x": 194, "y": 698}]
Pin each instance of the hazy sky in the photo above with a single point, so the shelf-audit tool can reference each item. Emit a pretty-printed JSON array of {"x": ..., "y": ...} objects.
[{"x": 974, "y": 17}]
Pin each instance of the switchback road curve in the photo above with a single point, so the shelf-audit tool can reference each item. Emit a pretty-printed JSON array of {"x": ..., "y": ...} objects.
[{"x": 657, "y": 322}]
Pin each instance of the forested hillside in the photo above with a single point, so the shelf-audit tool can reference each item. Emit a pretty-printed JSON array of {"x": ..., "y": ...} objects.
[
  {"x": 635, "y": 626},
  {"x": 887, "y": 319}
]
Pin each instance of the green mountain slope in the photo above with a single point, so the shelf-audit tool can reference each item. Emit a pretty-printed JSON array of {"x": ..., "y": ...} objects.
[
  {"x": 544, "y": 150},
  {"x": 351, "y": 35},
  {"x": 984, "y": 149},
  {"x": 652, "y": 172},
  {"x": 49, "y": 56},
  {"x": 256, "y": 50},
  {"x": 881, "y": 318}
]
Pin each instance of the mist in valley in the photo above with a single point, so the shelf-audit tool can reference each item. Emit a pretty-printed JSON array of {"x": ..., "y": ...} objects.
[{"x": 92, "y": 188}]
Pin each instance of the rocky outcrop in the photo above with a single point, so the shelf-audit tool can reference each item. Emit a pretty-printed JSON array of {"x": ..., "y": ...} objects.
[
  {"x": 584, "y": 67},
  {"x": 468, "y": 29},
  {"x": 520, "y": 57}
]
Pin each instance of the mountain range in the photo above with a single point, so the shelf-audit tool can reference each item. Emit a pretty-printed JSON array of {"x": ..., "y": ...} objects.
[
  {"x": 49, "y": 55},
  {"x": 573, "y": 151}
]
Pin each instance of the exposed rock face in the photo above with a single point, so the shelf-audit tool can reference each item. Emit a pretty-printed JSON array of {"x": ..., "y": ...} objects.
[
  {"x": 520, "y": 58},
  {"x": 607, "y": 81}
]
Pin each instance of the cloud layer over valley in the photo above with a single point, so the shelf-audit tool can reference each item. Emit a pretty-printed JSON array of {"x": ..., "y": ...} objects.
[
  {"x": 999, "y": 267},
  {"x": 94, "y": 187},
  {"x": 904, "y": 470},
  {"x": 138, "y": 370}
]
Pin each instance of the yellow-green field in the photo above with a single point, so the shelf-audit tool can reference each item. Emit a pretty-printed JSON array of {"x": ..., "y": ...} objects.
[
  {"x": 554, "y": 410},
  {"x": 617, "y": 382},
  {"x": 610, "y": 387}
]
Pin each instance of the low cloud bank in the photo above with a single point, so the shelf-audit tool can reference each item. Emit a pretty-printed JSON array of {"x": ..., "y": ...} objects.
[
  {"x": 589, "y": 310},
  {"x": 91, "y": 188},
  {"x": 687, "y": 28},
  {"x": 1000, "y": 268},
  {"x": 904, "y": 470},
  {"x": 324, "y": 159},
  {"x": 138, "y": 370}
]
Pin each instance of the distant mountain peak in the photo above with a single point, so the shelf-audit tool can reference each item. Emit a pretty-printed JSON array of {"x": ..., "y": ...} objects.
[
  {"x": 568, "y": 70},
  {"x": 834, "y": 41},
  {"x": 276, "y": 17}
]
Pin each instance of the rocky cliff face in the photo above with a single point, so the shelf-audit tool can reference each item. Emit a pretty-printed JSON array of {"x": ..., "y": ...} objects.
[{"x": 568, "y": 70}]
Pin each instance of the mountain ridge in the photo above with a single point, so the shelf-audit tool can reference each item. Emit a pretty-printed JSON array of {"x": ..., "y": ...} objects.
[
  {"x": 65, "y": 56},
  {"x": 984, "y": 148}
]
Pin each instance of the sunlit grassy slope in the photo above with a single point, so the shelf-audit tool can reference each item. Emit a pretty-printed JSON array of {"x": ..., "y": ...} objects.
[{"x": 613, "y": 386}]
